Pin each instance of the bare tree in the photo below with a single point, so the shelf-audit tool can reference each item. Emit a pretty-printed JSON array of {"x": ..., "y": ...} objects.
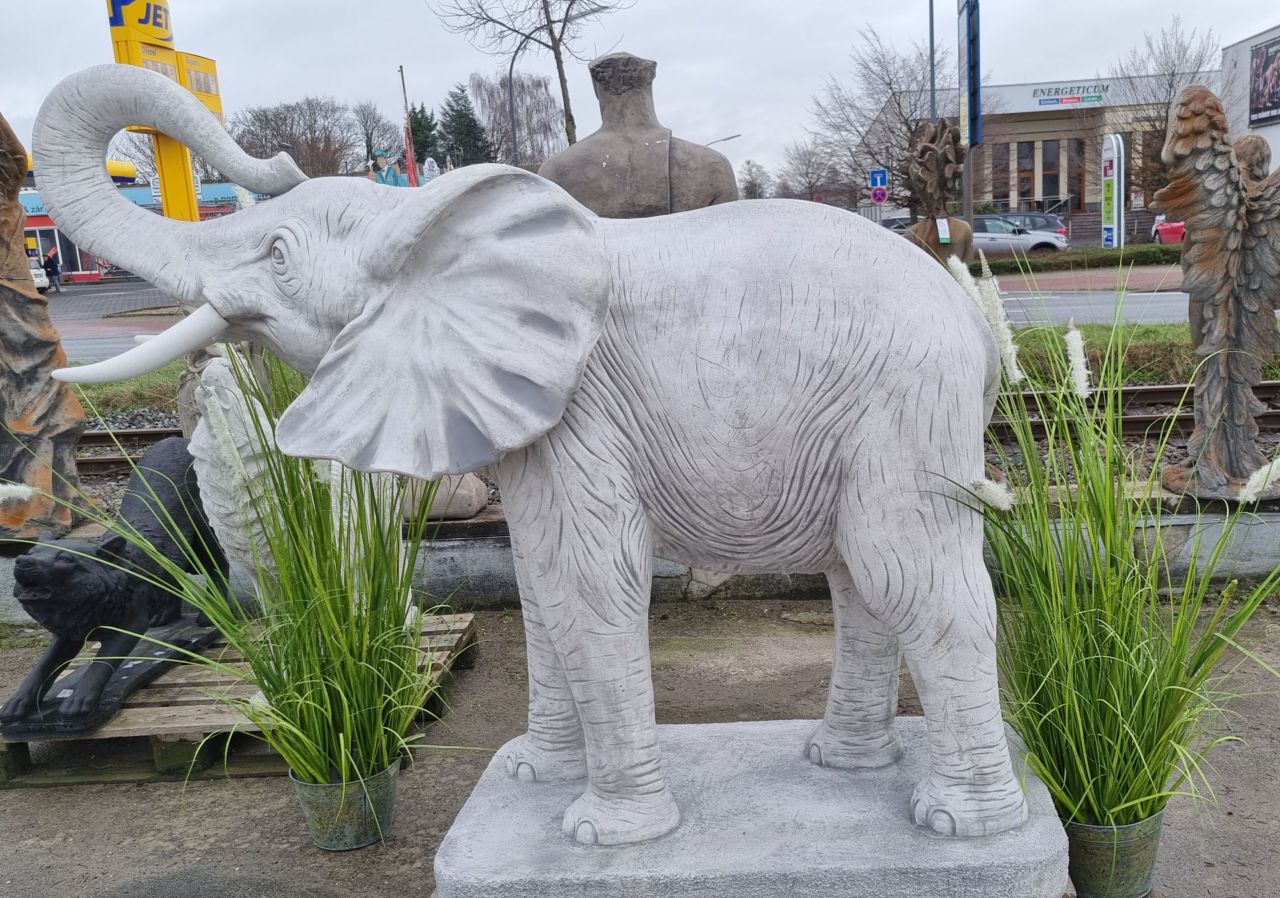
[
  {"x": 1149, "y": 77},
  {"x": 754, "y": 181},
  {"x": 319, "y": 132},
  {"x": 867, "y": 121},
  {"x": 538, "y": 116},
  {"x": 138, "y": 148},
  {"x": 807, "y": 170},
  {"x": 376, "y": 130},
  {"x": 506, "y": 27}
]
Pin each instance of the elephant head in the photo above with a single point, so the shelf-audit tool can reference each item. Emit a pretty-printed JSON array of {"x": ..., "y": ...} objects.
[{"x": 442, "y": 326}]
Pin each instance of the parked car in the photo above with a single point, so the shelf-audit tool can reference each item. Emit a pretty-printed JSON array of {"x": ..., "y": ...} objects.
[
  {"x": 1171, "y": 231},
  {"x": 38, "y": 275},
  {"x": 995, "y": 234},
  {"x": 897, "y": 224},
  {"x": 1037, "y": 221}
]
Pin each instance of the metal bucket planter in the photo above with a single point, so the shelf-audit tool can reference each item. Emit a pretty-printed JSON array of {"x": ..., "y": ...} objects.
[
  {"x": 1114, "y": 861},
  {"x": 342, "y": 816}
]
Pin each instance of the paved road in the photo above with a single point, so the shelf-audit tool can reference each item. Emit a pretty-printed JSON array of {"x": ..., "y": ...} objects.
[
  {"x": 89, "y": 301},
  {"x": 89, "y": 337},
  {"x": 1095, "y": 308}
]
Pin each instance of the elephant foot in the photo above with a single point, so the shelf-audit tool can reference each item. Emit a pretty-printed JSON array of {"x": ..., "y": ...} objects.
[
  {"x": 592, "y": 820},
  {"x": 528, "y": 761},
  {"x": 827, "y": 748},
  {"x": 955, "y": 809}
]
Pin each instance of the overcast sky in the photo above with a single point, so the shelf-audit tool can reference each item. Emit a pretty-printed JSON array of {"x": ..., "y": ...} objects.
[{"x": 724, "y": 66}]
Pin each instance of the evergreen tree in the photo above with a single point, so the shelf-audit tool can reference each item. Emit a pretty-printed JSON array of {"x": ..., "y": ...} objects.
[
  {"x": 462, "y": 138},
  {"x": 426, "y": 135}
]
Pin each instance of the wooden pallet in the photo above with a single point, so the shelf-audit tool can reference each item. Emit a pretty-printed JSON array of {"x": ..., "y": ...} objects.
[{"x": 178, "y": 711}]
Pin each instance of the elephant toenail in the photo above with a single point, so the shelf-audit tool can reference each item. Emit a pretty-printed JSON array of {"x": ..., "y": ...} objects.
[
  {"x": 942, "y": 822},
  {"x": 525, "y": 772},
  {"x": 585, "y": 834},
  {"x": 815, "y": 754}
]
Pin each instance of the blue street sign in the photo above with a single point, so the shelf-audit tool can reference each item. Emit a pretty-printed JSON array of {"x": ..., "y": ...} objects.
[{"x": 878, "y": 177}]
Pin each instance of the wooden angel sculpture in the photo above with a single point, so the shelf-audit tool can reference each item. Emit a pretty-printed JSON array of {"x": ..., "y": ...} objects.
[
  {"x": 933, "y": 165},
  {"x": 1231, "y": 269}
]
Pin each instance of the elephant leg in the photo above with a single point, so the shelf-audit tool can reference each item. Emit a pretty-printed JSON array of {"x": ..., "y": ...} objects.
[
  {"x": 553, "y": 748},
  {"x": 916, "y": 557},
  {"x": 587, "y": 547},
  {"x": 857, "y": 729}
]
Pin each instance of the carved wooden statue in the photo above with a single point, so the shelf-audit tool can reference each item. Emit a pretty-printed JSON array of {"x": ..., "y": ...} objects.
[
  {"x": 43, "y": 419},
  {"x": 933, "y": 165},
  {"x": 1231, "y": 269}
]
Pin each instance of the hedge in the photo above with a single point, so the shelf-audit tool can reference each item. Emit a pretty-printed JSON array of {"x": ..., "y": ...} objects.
[{"x": 1145, "y": 254}]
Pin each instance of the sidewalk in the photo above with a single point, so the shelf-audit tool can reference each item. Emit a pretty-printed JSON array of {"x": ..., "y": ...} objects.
[{"x": 1138, "y": 279}]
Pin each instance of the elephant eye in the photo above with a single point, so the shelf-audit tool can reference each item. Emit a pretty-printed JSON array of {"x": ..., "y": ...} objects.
[
  {"x": 278, "y": 259},
  {"x": 288, "y": 278}
]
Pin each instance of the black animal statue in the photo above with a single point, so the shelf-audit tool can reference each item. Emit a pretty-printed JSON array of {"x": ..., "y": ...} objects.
[{"x": 80, "y": 589}]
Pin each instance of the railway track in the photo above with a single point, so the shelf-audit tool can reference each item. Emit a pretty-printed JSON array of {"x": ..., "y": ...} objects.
[
  {"x": 1147, "y": 418},
  {"x": 111, "y": 460}
]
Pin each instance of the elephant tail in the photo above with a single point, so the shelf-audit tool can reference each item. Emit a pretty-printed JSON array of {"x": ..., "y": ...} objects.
[{"x": 1002, "y": 351}]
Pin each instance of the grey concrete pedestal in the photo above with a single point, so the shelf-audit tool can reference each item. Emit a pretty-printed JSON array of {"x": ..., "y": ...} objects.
[{"x": 758, "y": 820}]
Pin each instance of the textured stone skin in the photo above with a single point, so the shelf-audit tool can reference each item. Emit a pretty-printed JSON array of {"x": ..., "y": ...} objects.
[
  {"x": 762, "y": 386},
  {"x": 632, "y": 167},
  {"x": 759, "y": 821},
  {"x": 42, "y": 418},
  {"x": 1231, "y": 271}
]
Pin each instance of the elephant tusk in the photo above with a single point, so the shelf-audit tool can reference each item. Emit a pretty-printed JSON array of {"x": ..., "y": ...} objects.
[{"x": 196, "y": 331}]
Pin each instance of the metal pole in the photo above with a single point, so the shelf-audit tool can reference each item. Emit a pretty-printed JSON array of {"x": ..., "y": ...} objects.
[{"x": 933, "y": 75}]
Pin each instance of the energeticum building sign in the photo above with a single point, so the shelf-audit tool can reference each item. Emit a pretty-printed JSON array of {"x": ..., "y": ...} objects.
[{"x": 1070, "y": 94}]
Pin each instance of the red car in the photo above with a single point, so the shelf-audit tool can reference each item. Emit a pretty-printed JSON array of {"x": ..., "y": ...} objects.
[{"x": 1170, "y": 231}]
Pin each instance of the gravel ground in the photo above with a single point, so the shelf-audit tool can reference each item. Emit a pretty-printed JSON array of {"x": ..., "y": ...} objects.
[
  {"x": 139, "y": 418},
  {"x": 711, "y": 662}
]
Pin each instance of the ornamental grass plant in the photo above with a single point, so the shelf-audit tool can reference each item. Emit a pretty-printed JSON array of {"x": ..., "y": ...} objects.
[
  {"x": 1112, "y": 668},
  {"x": 331, "y": 642}
]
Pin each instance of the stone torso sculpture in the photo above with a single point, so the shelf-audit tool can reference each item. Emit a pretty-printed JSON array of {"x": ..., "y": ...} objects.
[
  {"x": 764, "y": 386},
  {"x": 1231, "y": 270},
  {"x": 934, "y": 162},
  {"x": 74, "y": 587},
  {"x": 632, "y": 167},
  {"x": 43, "y": 419}
]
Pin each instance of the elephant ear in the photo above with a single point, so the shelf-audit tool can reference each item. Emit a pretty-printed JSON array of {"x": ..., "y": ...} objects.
[{"x": 494, "y": 287}]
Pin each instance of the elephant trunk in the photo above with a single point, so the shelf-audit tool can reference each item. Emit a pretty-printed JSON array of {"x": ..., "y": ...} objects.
[{"x": 72, "y": 132}]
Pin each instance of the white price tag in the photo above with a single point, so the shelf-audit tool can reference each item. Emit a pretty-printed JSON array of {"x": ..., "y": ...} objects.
[{"x": 944, "y": 230}]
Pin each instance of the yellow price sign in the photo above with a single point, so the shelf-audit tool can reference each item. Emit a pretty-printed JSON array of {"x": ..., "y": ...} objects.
[
  {"x": 143, "y": 21},
  {"x": 199, "y": 74}
]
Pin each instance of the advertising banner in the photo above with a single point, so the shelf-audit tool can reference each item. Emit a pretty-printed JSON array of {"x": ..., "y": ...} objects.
[{"x": 1264, "y": 83}]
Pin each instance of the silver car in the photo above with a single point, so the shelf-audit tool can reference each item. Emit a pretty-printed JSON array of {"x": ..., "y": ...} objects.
[{"x": 994, "y": 235}]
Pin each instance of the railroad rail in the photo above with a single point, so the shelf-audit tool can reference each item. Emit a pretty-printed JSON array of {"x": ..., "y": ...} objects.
[
  {"x": 1153, "y": 420},
  {"x": 134, "y": 441},
  {"x": 1136, "y": 423}
]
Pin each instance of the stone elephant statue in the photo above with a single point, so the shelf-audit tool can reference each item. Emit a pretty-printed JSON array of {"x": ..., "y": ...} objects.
[{"x": 756, "y": 386}]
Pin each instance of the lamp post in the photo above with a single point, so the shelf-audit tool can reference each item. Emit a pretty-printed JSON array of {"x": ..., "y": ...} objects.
[
  {"x": 722, "y": 139},
  {"x": 933, "y": 75}
]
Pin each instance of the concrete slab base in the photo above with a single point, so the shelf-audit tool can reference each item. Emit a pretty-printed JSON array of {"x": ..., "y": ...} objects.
[{"x": 758, "y": 820}]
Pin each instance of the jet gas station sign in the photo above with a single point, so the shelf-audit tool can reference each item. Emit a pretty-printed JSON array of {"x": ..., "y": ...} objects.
[{"x": 142, "y": 35}]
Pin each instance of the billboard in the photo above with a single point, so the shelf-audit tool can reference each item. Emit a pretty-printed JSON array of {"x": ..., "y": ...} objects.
[{"x": 1264, "y": 83}]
